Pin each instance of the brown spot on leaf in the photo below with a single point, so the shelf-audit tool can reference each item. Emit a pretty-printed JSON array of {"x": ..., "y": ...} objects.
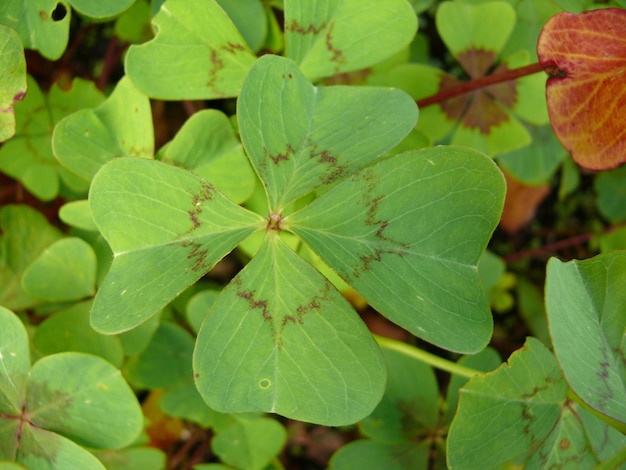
[
  {"x": 279, "y": 157},
  {"x": 385, "y": 245},
  {"x": 484, "y": 113},
  {"x": 476, "y": 61},
  {"x": 295, "y": 27},
  {"x": 198, "y": 255},
  {"x": 357, "y": 77},
  {"x": 205, "y": 194},
  {"x": 336, "y": 171},
  {"x": 481, "y": 109},
  {"x": 336, "y": 54},
  {"x": 253, "y": 303},
  {"x": 454, "y": 107},
  {"x": 217, "y": 64},
  {"x": 505, "y": 93},
  {"x": 232, "y": 47}
]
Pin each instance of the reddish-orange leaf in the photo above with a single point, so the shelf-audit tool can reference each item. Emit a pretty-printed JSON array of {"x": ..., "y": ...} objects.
[
  {"x": 521, "y": 203},
  {"x": 585, "y": 55}
]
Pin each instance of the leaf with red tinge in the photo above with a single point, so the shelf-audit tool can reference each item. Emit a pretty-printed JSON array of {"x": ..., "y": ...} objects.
[{"x": 585, "y": 56}]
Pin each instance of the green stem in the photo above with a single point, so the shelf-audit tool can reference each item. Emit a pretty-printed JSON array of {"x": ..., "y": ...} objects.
[
  {"x": 483, "y": 82},
  {"x": 426, "y": 357}
]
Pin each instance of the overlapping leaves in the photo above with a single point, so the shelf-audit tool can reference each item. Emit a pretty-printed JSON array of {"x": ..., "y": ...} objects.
[
  {"x": 187, "y": 59},
  {"x": 378, "y": 227},
  {"x": 586, "y": 301},
  {"x": 63, "y": 401}
]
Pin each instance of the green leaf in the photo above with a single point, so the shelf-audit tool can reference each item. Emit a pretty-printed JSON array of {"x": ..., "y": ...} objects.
[
  {"x": 121, "y": 126},
  {"x": 486, "y": 360},
  {"x": 14, "y": 363},
  {"x": 12, "y": 78},
  {"x": 167, "y": 228},
  {"x": 609, "y": 186},
  {"x": 531, "y": 16},
  {"x": 409, "y": 409},
  {"x": 136, "y": 458},
  {"x": 586, "y": 302},
  {"x": 281, "y": 339},
  {"x": 250, "y": 443},
  {"x": 45, "y": 450},
  {"x": 201, "y": 62},
  {"x": 165, "y": 362},
  {"x": 69, "y": 330},
  {"x": 64, "y": 271},
  {"x": 28, "y": 157},
  {"x": 25, "y": 234},
  {"x": 504, "y": 415},
  {"x": 133, "y": 25},
  {"x": 329, "y": 37},
  {"x": 536, "y": 163},
  {"x": 77, "y": 214},
  {"x": 300, "y": 137},
  {"x": 184, "y": 401},
  {"x": 249, "y": 18},
  {"x": 418, "y": 224},
  {"x": 462, "y": 29},
  {"x": 84, "y": 398},
  {"x": 100, "y": 10},
  {"x": 207, "y": 145},
  {"x": 519, "y": 415},
  {"x": 42, "y": 24},
  {"x": 136, "y": 340},
  {"x": 372, "y": 454},
  {"x": 198, "y": 307}
]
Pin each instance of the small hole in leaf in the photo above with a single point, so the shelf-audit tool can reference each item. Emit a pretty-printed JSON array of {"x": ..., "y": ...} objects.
[{"x": 59, "y": 12}]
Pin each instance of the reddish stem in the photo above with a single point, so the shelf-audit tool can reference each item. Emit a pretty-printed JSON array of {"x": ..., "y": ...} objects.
[
  {"x": 113, "y": 54},
  {"x": 482, "y": 82},
  {"x": 551, "y": 248}
]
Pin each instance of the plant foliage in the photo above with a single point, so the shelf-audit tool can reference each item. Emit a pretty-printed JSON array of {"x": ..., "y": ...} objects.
[{"x": 334, "y": 165}]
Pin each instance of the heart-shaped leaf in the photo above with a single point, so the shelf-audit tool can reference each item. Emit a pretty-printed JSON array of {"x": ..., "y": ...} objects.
[
  {"x": 65, "y": 271},
  {"x": 330, "y": 37},
  {"x": 28, "y": 157},
  {"x": 12, "y": 77},
  {"x": 63, "y": 396},
  {"x": 95, "y": 407},
  {"x": 536, "y": 426},
  {"x": 417, "y": 226},
  {"x": 25, "y": 235},
  {"x": 167, "y": 227},
  {"x": 197, "y": 54},
  {"x": 250, "y": 443},
  {"x": 586, "y": 301},
  {"x": 485, "y": 117},
  {"x": 280, "y": 338},
  {"x": 300, "y": 137},
  {"x": 207, "y": 145},
  {"x": 42, "y": 24},
  {"x": 121, "y": 126},
  {"x": 584, "y": 56}
]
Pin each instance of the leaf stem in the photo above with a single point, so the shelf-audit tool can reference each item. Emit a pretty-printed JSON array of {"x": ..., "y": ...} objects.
[
  {"x": 426, "y": 357},
  {"x": 482, "y": 82}
]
